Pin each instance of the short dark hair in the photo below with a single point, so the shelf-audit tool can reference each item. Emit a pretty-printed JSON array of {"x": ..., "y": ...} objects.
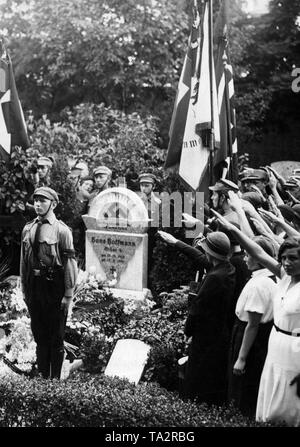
[{"x": 291, "y": 242}]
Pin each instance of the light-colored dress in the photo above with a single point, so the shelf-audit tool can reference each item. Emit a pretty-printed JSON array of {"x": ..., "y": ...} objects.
[
  {"x": 277, "y": 400},
  {"x": 257, "y": 296}
]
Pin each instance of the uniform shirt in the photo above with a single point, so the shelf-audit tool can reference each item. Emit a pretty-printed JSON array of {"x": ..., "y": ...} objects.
[
  {"x": 257, "y": 296},
  {"x": 55, "y": 240},
  {"x": 95, "y": 193},
  {"x": 152, "y": 204}
]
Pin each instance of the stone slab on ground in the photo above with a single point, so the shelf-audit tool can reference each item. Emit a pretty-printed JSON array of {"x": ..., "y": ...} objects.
[{"x": 128, "y": 360}]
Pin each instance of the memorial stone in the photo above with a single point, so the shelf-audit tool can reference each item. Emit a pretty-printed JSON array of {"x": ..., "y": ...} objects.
[
  {"x": 128, "y": 360},
  {"x": 117, "y": 243}
]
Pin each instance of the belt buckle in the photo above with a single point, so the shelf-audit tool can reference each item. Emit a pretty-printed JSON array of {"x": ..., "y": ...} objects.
[{"x": 36, "y": 272}]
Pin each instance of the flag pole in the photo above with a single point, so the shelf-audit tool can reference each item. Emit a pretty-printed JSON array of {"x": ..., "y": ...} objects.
[
  {"x": 211, "y": 66},
  {"x": 230, "y": 170}
]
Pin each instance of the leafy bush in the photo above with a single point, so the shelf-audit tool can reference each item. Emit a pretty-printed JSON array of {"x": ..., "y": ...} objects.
[
  {"x": 162, "y": 329},
  {"x": 92, "y": 401},
  {"x": 171, "y": 269},
  {"x": 95, "y": 352},
  {"x": 100, "y": 135},
  {"x": 175, "y": 304},
  {"x": 12, "y": 182}
]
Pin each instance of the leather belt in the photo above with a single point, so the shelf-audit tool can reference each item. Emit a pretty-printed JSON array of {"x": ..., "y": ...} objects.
[{"x": 292, "y": 334}]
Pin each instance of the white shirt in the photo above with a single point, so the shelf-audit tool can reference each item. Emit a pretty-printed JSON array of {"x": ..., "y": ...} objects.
[
  {"x": 287, "y": 305},
  {"x": 257, "y": 296}
]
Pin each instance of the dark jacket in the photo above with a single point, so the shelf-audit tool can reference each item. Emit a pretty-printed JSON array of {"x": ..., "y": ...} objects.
[
  {"x": 198, "y": 257},
  {"x": 206, "y": 323},
  {"x": 242, "y": 276}
]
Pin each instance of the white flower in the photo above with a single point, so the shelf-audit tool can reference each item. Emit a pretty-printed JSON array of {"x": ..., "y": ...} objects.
[
  {"x": 17, "y": 302},
  {"x": 82, "y": 276},
  {"x": 20, "y": 342},
  {"x": 150, "y": 303}
]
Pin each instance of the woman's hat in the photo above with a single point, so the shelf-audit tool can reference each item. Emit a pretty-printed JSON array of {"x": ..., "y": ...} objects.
[{"x": 216, "y": 244}]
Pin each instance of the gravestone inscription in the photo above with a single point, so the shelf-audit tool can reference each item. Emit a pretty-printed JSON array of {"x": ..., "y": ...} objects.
[{"x": 116, "y": 239}]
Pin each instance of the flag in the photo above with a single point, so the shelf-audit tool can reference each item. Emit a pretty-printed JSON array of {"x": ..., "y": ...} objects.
[
  {"x": 12, "y": 124},
  {"x": 225, "y": 159},
  {"x": 203, "y": 106},
  {"x": 182, "y": 100}
]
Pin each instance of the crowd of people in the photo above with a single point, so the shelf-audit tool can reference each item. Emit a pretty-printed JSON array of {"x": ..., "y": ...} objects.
[{"x": 243, "y": 323}]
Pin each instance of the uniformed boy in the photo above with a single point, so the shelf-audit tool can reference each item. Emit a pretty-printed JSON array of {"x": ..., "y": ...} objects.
[
  {"x": 44, "y": 166},
  {"x": 102, "y": 178},
  {"x": 147, "y": 184},
  {"x": 48, "y": 275},
  {"x": 152, "y": 203}
]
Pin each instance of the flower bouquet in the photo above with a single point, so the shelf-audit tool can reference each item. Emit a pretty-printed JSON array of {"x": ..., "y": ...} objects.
[{"x": 17, "y": 346}]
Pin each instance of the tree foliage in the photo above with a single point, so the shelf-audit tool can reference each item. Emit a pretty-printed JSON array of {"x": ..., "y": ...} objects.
[
  {"x": 267, "y": 108},
  {"x": 126, "y": 55},
  {"x": 100, "y": 135}
]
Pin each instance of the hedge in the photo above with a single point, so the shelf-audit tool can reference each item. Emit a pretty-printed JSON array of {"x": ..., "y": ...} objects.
[{"x": 98, "y": 401}]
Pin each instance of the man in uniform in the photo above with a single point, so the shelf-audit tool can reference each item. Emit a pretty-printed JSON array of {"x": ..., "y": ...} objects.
[
  {"x": 147, "y": 184},
  {"x": 253, "y": 179},
  {"x": 44, "y": 165},
  {"x": 39, "y": 176},
  {"x": 220, "y": 197},
  {"x": 48, "y": 275},
  {"x": 102, "y": 177},
  {"x": 77, "y": 172},
  {"x": 152, "y": 203}
]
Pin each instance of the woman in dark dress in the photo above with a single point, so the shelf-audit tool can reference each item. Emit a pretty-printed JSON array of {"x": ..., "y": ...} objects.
[
  {"x": 205, "y": 377},
  {"x": 207, "y": 321}
]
